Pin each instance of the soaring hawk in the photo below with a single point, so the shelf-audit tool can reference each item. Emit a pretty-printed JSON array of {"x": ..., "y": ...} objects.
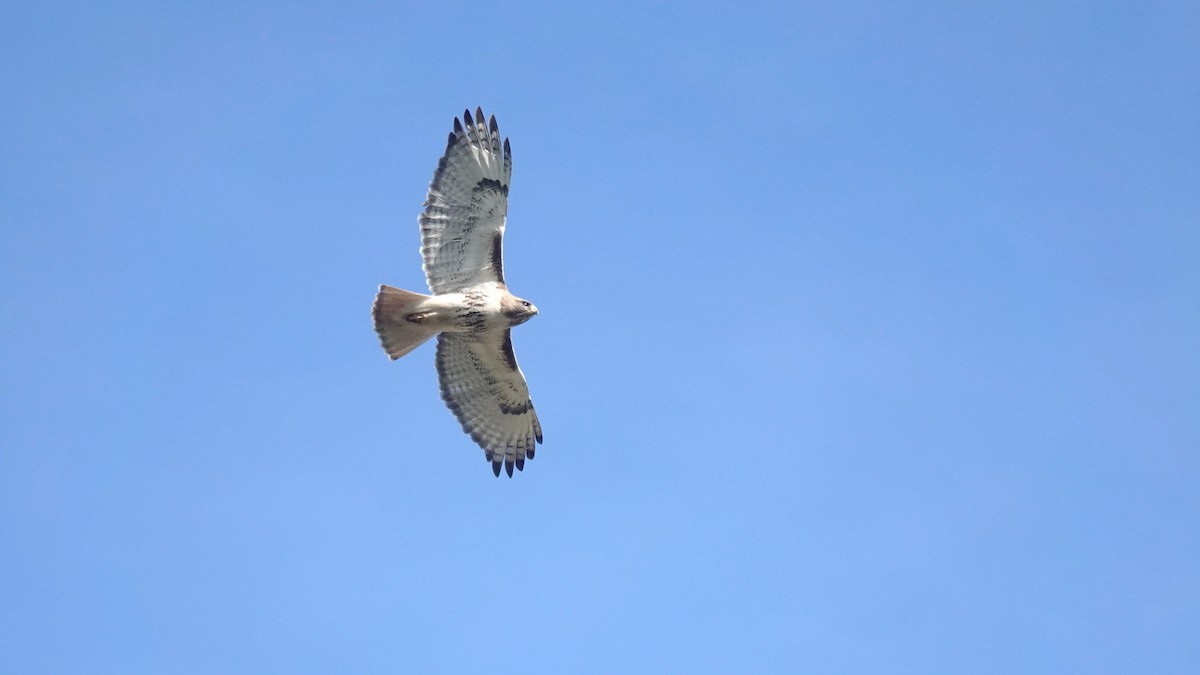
[{"x": 470, "y": 309}]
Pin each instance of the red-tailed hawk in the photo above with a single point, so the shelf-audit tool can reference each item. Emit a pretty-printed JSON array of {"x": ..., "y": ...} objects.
[{"x": 471, "y": 310}]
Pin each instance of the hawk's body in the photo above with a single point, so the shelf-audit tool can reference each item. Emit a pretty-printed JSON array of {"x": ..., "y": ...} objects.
[{"x": 471, "y": 310}]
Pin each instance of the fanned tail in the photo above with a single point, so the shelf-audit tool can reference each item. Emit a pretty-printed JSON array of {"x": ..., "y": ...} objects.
[{"x": 398, "y": 321}]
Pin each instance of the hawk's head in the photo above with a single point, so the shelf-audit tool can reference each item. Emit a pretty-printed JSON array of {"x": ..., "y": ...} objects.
[{"x": 516, "y": 310}]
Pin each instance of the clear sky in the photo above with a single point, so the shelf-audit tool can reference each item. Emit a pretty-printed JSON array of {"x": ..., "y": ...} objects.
[{"x": 868, "y": 339}]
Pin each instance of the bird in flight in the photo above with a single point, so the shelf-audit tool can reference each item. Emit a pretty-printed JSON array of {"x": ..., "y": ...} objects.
[{"x": 470, "y": 310}]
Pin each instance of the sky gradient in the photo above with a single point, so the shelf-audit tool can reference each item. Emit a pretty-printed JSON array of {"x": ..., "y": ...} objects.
[{"x": 868, "y": 339}]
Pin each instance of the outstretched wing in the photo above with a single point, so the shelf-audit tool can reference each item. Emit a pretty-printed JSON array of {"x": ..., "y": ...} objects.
[
  {"x": 485, "y": 389},
  {"x": 462, "y": 226}
]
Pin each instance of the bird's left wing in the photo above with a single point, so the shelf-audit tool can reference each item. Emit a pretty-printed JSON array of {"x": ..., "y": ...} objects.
[
  {"x": 462, "y": 226},
  {"x": 485, "y": 389}
]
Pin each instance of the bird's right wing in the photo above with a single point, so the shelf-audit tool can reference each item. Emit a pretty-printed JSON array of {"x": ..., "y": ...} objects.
[{"x": 462, "y": 226}]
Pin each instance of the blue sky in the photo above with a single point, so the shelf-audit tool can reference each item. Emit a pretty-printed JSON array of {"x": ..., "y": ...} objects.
[{"x": 868, "y": 339}]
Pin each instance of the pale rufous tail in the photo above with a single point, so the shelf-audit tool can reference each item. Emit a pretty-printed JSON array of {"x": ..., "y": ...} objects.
[{"x": 398, "y": 322}]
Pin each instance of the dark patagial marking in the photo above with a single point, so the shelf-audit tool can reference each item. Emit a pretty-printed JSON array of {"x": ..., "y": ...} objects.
[
  {"x": 498, "y": 256},
  {"x": 506, "y": 351}
]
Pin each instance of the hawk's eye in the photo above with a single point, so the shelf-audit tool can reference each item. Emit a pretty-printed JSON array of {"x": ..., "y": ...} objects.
[{"x": 525, "y": 303}]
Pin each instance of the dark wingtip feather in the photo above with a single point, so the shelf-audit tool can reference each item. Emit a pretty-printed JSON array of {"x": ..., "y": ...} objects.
[
  {"x": 492, "y": 125},
  {"x": 508, "y": 466},
  {"x": 458, "y": 127},
  {"x": 496, "y": 468},
  {"x": 479, "y": 116},
  {"x": 520, "y": 464},
  {"x": 529, "y": 453}
]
